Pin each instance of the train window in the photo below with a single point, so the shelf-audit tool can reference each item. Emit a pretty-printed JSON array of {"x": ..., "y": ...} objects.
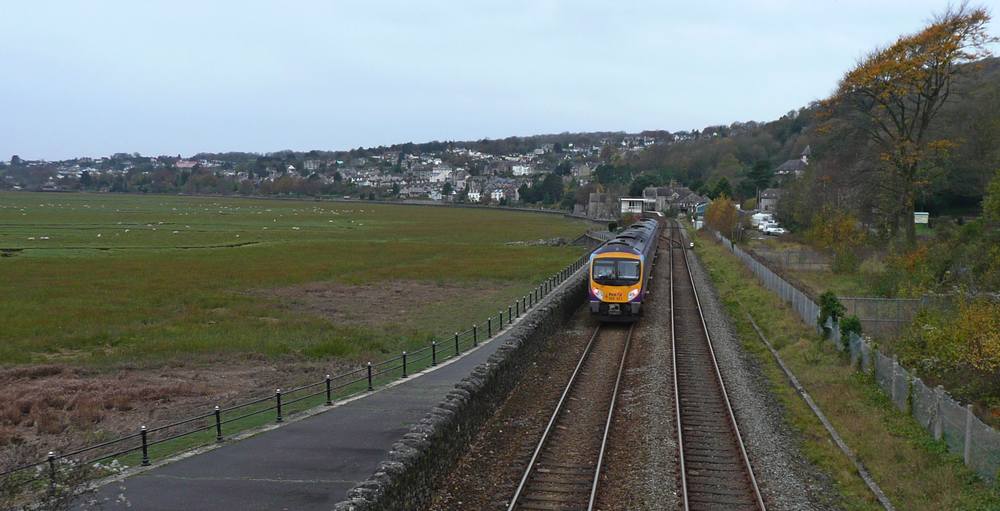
[
  {"x": 616, "y": 272},
  {"x": 604, "y": 270},
  {"x": 628, "y": 270}
]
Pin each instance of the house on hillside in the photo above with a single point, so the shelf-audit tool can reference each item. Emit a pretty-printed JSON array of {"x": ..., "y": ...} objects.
[
  {"x": 794, "y": 167},
  {"x": 599, "y": 206},
  {"x": 769, "y": 199},
  {"x": 505, "y": 191},
  {"x": 522, "y": 170},
  {"x": 667, "y": 197},
  {"x": 440, "y": 173},
  {"x": 459, "y": 179}
]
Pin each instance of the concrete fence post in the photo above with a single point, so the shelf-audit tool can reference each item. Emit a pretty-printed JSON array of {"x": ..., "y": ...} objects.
[
  {"x": 909, "y": 393},
  {"x": 892, "y": 384},
  {"x": 967, "y": 455},
  {"x": 938, "y": 410}
]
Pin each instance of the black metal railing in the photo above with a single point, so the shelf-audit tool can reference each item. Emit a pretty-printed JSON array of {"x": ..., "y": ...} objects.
[{"x": 162, "y": 441}]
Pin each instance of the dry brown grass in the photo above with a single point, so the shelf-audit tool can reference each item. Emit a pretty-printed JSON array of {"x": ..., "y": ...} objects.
[{"x": 60, "y": 408}]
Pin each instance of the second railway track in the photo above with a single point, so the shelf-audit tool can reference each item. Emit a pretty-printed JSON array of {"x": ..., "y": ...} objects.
[
  {"x": 564, "y": 469},
  {"x": 715, "y": 472}
]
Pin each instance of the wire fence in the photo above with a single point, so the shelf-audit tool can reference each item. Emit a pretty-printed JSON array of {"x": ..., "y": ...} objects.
[
  {"x": 888, "y": 317},
  {"x": 802, "y": 260},
  {"x": 942, "y": 416},
  {"x": 149, "y": 444}
]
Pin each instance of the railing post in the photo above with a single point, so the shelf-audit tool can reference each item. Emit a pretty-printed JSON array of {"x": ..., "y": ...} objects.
[
  {"x": 457, "y": 350},
  {"x": 500, "y": 320},
  {"x": 434, "y": 353},
  {"x": 329, "y": 391},
  {"x": 52, "y": 472},
  {"x": 475, "y": 335},
  {"x": 517, "y": 308},
  {"x": 277, "y": 401},
  {"x": 145, "y": 446},
  {"x": 510, "y": 317},
  {"x": 489, "y": 327},
  {"x": 531, "y": 300},
  {"x": 524, "y": 303},
  {"x": 404, "y": 364},
  {"x": 218, "y": 424},
  {"x": 370, "y": 376}
]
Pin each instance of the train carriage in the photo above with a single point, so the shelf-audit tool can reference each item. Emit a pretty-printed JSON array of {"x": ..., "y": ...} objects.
[{"x": 620, "y": 270}]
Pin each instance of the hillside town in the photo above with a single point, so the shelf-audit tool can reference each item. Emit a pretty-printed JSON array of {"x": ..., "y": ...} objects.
[{"x": 448, "y": 174}]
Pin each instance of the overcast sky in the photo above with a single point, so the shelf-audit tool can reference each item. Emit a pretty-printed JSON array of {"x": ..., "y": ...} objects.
[{"x": 95, "y": 77}]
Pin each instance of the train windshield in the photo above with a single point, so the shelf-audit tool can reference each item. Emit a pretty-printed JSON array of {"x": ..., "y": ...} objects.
[{"x": 616, "y": 272}]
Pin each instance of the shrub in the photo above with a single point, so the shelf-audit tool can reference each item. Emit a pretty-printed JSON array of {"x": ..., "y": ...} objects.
[
  {"x": 850, "y": 324},
  {"x": 829, "y": 308},
  {"x": 837, "y": 231},
  {"x": 845, "y": 261},
  {"x": 960, "y": 346},
  {"x": 613, "y": 226},
  {"x": 872, "y": 266}
]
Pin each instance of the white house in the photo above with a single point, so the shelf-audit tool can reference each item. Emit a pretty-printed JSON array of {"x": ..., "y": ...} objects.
[
  {"x": 631, "y": 205},
  {"x": 475, "y": 196},
  {"x": 522, "y": 170},
  {"x": 440, "y": 174}
]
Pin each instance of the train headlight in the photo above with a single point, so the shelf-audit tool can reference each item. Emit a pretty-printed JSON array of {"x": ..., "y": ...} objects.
[
  {"x": 598, "y": 293},
  {"x": 632, "y": 294}
]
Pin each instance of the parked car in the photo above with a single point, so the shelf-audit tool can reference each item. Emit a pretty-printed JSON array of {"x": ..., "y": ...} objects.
[
  {"x": 775, "y": 231},
  {"x": 761, "y": 218}
]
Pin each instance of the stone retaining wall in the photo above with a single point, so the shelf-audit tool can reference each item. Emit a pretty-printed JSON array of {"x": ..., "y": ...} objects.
[{"x": 406, "y": 478}]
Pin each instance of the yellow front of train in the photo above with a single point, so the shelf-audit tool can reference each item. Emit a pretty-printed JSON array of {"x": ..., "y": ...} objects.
[{"x": 616, "y": 286}]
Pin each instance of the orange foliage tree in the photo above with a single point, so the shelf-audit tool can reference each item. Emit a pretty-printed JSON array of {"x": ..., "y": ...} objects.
[
  {"x": 899, "y": 90},
  {"x": 835, "y": 230},
  {"x": 722, "y": 216}
]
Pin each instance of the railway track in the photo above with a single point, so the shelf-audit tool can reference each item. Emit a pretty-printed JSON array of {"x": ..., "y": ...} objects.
[
  {"x": 565, "y": 467},
  {"x": 715, "y": 472}
]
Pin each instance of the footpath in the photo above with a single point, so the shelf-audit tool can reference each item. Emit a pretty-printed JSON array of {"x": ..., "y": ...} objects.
[{"x": 303, "y": 465}]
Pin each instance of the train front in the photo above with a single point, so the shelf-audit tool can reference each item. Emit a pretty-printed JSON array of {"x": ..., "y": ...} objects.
[{"x": 616, "y": 284}]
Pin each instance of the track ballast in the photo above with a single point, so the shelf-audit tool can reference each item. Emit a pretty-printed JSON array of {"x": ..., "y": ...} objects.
[
  {"x": 565, "y": 467},
  {"x": 715, "y": 472}
]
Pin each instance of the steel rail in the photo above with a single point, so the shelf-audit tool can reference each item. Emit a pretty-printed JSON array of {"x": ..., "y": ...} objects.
[
  {"x": 677, "y": 397},
  {"x": 718, "y": 379},
  {"x": 552, "y": 422},
  {"x": 607, "y": 425},
  {"x": 557, "y": 413}
]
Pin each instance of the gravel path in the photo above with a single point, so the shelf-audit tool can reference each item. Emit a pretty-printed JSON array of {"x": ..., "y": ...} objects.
[{"x": 787, "y": 479}]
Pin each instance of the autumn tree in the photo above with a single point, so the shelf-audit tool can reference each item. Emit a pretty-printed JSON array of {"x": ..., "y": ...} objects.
[
  {"x": 899, "y": 90},
  {"x": 722, "y": 216}
]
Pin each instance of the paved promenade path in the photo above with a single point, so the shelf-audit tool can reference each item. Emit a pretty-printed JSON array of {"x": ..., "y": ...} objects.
[{"x": 304, "y": 465}]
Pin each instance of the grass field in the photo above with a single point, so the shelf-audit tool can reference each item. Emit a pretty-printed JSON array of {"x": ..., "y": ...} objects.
[
  {"x": 914, "y": 471},
  {"x": 142, "y": 280}
]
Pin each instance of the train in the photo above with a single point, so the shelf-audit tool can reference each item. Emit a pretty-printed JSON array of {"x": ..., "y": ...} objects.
[{"x": 619, "y": 272}]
